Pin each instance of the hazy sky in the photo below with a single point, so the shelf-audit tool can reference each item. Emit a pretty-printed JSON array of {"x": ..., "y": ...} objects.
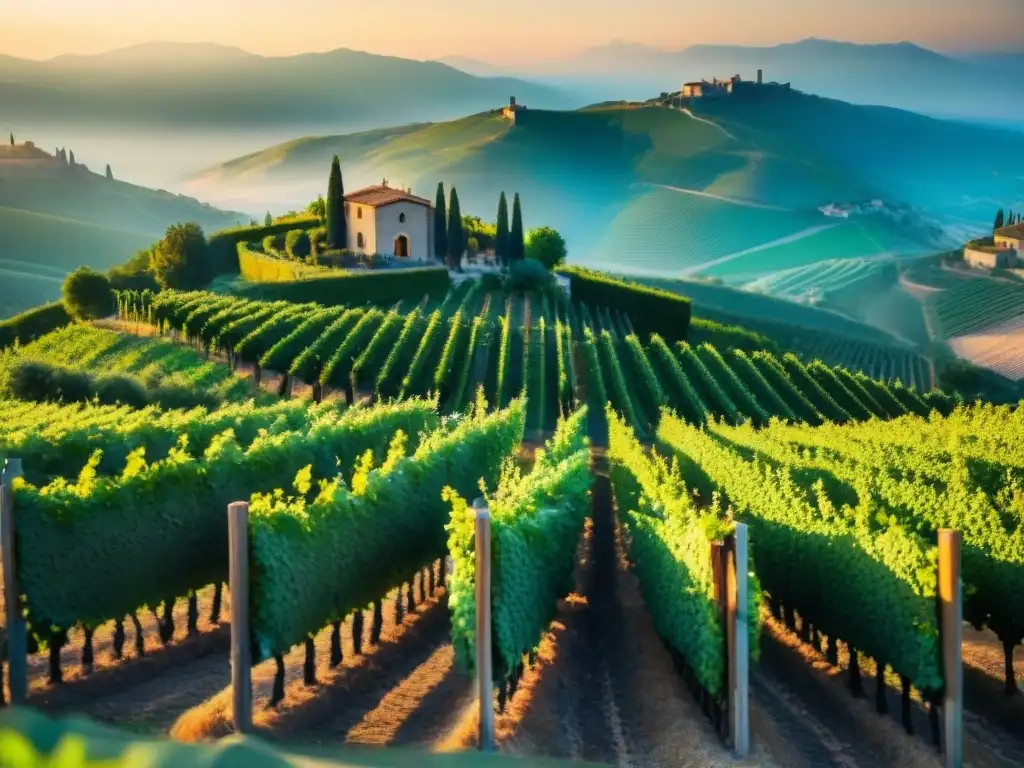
[{"x": 501, "y": 32}]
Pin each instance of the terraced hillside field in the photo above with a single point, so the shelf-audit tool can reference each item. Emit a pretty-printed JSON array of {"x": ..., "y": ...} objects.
[
  {"x": 998, "y": 347},
  {"x": 810, "y": 332},
  {"x": 868, "y": 238},
  {"x": 972, "y": 305},
  {"x": 816, "y": 282}
]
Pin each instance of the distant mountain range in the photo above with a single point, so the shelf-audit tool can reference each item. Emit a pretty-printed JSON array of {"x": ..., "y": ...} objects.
[
  {"x": 210, "y": 86},
  {"x": 733, "y": 189},
  {"x": 902, "y": 75}
]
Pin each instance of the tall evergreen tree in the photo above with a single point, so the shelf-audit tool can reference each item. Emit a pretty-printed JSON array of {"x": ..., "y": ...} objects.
[
  {"x": 337, "y": 229},
  {"x": 12, "y": 139},
  {"x": 268, "y": 219},
  {"x": 110, "y": 173},
  {"x": 440, "y": 224},
  {"x": 501, "y": 234},
  {"x": 516, "y": 245},
  {"x": 456, "y": 235},
  {"x": 1000, "y": 219},
  {"x": 71, "y": 158}
]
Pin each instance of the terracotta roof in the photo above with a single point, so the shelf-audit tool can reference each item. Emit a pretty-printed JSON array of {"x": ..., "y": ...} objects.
[
  {"x": 1016, "y": 231},
  {"x": 380, "y": 195}
]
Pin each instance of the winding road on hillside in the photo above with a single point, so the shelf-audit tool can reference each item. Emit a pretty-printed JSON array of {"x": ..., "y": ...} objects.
[
  {"x": 686, "y": 111},
  {"x": 688, "y": 271}
]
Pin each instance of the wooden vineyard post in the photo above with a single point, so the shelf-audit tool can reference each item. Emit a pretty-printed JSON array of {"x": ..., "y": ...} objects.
[
  {"x": 718, "y": 566},
  {"x": 238, "y": 584},
  {"x": 17, "y": 638},
  {"x": 484, "y": 661},
  {"x": 739, "y": 643},
  {"x": 951, "y": 627}
]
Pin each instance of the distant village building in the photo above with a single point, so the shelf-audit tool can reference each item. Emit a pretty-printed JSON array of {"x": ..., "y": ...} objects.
[
  {"x": 389, "y": 221},
  {"x": 836, "y": 211},
  {"x": 509, "y": 112},
  {"x": 1001, "y": 251}
]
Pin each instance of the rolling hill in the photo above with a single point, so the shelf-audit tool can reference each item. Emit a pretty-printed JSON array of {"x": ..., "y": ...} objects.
[
  {"x": 894, "y": 74},
  {"x": 54, "y": 218},
  {"x": 732, "y": 187}
]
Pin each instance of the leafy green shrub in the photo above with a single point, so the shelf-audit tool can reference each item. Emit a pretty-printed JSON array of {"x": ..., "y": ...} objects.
[
  {"x": 296, "y": 244},
  {"x": 317, "y": 239},
  {"x": 117, "y": 388},
  {"x": 223, "y": 245},
  {"x": 269, "y": 244},
  {"x": 527, "y": 276},
  {"x": 87, "y": 295},
  {"x": 546, "y": 245},
  {"x": 173, "y": 396},
  {"x": 38, "y": 381}
]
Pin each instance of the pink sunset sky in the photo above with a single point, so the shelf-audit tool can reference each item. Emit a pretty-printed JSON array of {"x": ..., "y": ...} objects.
[{"x": 518, "y": 32}]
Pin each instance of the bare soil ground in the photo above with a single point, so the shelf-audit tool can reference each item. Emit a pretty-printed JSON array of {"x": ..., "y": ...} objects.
[
  {"x": 405, "y": 690},
  {"x": 109, "y": 676},
  {"x": 992, "y": 737}
]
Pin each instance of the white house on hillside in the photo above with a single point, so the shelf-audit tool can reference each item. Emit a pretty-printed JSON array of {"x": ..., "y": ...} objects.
[{"x": 389, "y": 221}]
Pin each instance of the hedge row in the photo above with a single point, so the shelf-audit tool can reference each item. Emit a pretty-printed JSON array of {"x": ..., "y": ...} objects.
[
  {"x": 224, "y": 244},
  {"x": 703, "y": 331},
  {"x": 260, "y": 268},
  {"x": 33, "y": 323},
  {"x": 651, "y": 310},
  {"x": 278, "y": 280}
]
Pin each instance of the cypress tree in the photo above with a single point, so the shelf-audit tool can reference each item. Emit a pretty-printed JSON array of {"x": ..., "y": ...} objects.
[
  {"x": 516, "y": 246},
  {"x": 1000, "y": 219},
  {"x": 110, "y": 173},
  {"x": 337, "y": 231},
  {"x": 71, "y": 158},
  {"x": 268, "y": 219},
  {"x": 440, "y": 224},
  {"x": 456, "y": 241},
  {"x": 501, "y": 235},
  {"x": 12, "y": 139}
]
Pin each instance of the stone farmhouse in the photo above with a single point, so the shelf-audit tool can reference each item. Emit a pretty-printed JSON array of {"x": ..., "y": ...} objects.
[
  {"x": 389, "y": 221},
  {"x": 1004, "y": 250}
]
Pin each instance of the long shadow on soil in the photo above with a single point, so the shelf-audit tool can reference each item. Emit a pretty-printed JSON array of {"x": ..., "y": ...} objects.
[
  {"x": 356, "y": 692},
  {"x": 135, "y": 672}
]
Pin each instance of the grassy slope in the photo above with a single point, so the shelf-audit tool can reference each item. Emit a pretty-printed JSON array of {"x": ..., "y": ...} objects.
[
  {"x": 54, "y": 219},
  {"x": 610, "y": 164},
  {"x": 38, "y": 250}
]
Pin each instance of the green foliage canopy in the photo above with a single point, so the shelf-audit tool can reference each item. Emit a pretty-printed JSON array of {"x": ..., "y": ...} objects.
[
  {"x": 87, "y": 295},
  {"x": 547, "y": 246}
]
